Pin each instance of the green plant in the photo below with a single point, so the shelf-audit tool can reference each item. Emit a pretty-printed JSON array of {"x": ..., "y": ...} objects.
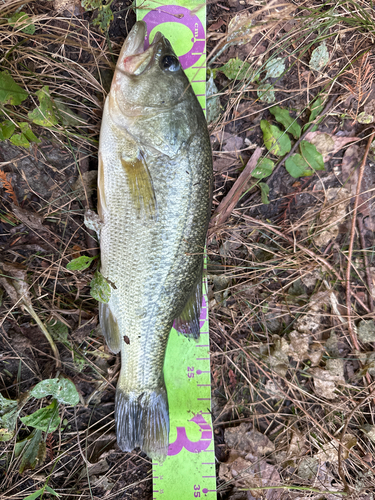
[
  {"x": 104, "y": 15},
  {"x": 19, "y": 132},
  {"x": 45, "y": 420},
  {"x": 100, "y": 289}
]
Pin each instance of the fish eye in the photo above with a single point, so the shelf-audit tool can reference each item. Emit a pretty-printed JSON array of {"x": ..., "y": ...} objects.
[{"x": 170, "y": 63}]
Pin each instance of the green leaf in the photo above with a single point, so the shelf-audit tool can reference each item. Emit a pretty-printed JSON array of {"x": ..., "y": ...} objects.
[
  {"x": 264, "y": 191},
  {"x": 365, "y": 118},
  {"x": 6, "y": 130},
  {"x": 34, "y": 452},
  {"x": 311, "y": 155},
  {"x": 283, "y": 117},
  {"x": 10, "y": 91},
  {"x": 297, "y": 166},
  {"x": 319, "y": 57},
  {"x": 23, "y": 139},
  {"x": 62, "y": 389},
  {"x": 28, "y": 133},
  {"x": 316, "y": 108},
  {"x": 263, "y": 169},
  {"x": 22, "y": 21},
  {"x": 100, "y": 288},
  {"x": 266, "y": 93},
  {"x": 66, "y": 115},
  {"x": 276, "y": 141},
  {"x": 8, "y": 417},
  {"x": 80, "y": 263},
  {"x": 40, "y": 492},
  {"x": 20, "y": 446},
  {"x": 58, "y": 330},
  {"x": 104, "y": 17},
  {"x": 275, "y": 67},
  {"x": 91, "y": 4},
  {"x": 45, "y": 419},
  {"x": 44, "y": 114},
  {"x": 235, "y": 69},
  {"x": 20, "y": 140}
]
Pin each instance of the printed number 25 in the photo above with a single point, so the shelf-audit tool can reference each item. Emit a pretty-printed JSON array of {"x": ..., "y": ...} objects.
[
  {"x": 191, "y": 370},
  {"x": 197, "y": 494}
]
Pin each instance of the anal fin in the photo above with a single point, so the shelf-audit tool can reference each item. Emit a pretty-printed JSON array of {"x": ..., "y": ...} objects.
[
  {"x": 188, "y": 321},
  {"x": 110, "y": 328},
  {"x": 141, "y": 187}
]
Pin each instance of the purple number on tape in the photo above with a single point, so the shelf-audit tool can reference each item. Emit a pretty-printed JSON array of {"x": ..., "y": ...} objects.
[
  {"x": 182, "y": 441},
  {"x": 181, "y": 15}
]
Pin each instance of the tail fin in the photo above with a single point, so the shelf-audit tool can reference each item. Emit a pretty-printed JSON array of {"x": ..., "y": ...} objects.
[{"x": 142, "y": 419}]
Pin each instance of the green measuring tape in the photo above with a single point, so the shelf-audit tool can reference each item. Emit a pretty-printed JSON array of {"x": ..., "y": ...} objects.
[{"x": 188, "y": 472}]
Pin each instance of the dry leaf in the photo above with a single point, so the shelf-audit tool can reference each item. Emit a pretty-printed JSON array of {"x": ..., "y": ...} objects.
[
  {"x": 296, "y": 446},
  {"x": 329, "y": 451},
  {"x": 350, "y": 167},
  {"x": 366, "y": 331},
  {"x": 310, "y": 322},
  {"x": 308, "y": 468},
  {"x": 247, "y": 441},
  {"x": 332, "y": 214},
  {"x": 328, "y": 144},
  {"x": 276, "y": 355},
  {"x": 273, "y": 390},
  {"x": 369, "y": 430},
  {"x": 72, "y": 6},
  {"x": 326, "y": 380},
  {"x": 299, "y": 345},
  {"x": 247, "y": 475},
  {"x": 30, "y": 219},
  {"x": 216, "y": 26}
]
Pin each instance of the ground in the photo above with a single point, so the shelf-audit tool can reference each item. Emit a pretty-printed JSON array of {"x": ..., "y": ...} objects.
[{"x": 291, "y": 266}]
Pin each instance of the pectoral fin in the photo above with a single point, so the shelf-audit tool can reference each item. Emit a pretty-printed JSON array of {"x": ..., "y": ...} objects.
[
  {"x": 188, "y": 321},
  {"x": 109, "y": 327},
  {"x": 141, "y": 188}
]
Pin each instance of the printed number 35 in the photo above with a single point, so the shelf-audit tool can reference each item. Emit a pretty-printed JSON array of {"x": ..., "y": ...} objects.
[{"x": 197, "y": 494}]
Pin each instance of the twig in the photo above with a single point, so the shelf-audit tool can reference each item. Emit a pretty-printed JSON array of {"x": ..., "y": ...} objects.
[
  {"x": 29, "y": 308},
  {"x": 365, "y": 260},
  {"x": 352, "y": 334},
  {"x": 227, "y": 205},
  {"x": 297, "y": 143}
]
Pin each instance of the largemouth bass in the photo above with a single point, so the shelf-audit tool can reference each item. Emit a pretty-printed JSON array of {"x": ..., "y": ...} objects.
[{"x": 154, "y": 201}]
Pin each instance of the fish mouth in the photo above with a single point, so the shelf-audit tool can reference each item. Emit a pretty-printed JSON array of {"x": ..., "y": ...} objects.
[{"x": 134, "y": 59}]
